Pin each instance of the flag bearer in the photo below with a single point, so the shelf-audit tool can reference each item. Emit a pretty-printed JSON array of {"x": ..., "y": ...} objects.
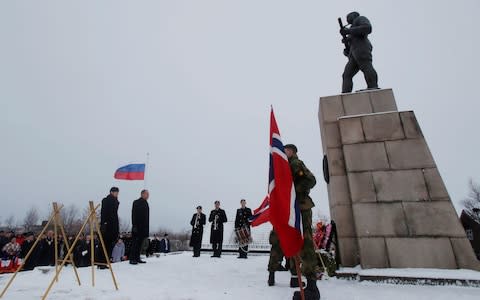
[{"x": 304, "y": 181}]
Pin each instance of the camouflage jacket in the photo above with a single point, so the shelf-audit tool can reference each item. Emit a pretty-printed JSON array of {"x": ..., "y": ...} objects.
[{"x": 304, "y": 181}]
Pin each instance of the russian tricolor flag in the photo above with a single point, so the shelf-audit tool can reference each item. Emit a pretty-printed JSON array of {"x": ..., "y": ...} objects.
[{"x": 131, "y": 172}]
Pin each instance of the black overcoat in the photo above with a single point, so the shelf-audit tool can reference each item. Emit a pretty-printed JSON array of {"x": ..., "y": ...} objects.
[
  {"x": 109, "y": 218},
  {"x": 216, "y": 234},
  {"x": 140, "y": 218},
  {"x": 197, "y": 232}
]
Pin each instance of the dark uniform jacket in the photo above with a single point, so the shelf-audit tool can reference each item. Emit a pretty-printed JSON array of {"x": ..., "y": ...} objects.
[
  {"x": 197, "y": 231},
  {"x": 216, "y": 235},
  {"x": 303, "y": 180},
  {"x": 109, "y": 218},
  {"x": 242, "y": 216},
  {"x": 140, "y": 218},
  {"x": 164, "y": 245},
  {"x": 46, "y": 252}
]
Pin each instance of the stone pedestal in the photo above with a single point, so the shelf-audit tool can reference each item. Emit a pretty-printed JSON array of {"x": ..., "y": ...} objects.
[{"x": 386, "y": 195}]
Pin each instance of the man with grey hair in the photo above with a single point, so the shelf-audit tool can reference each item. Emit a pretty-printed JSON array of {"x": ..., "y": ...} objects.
[{"x": 140, "y": 226}]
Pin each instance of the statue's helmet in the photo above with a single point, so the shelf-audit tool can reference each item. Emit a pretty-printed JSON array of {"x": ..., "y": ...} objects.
[{"x": 352, "y": 16}]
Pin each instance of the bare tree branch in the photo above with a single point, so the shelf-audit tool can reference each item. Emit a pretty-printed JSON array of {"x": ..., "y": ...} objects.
[
  {"x": 10, "y": 222},
  {"x": 124, "y": 225},
  {"x": 31, "y": 219},
  {"x": 70, "y": 216},
  {"x": 472, "y": 202}
]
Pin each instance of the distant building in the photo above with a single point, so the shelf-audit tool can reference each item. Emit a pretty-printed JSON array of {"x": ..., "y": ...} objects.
[{"x": 472, "y": 229}]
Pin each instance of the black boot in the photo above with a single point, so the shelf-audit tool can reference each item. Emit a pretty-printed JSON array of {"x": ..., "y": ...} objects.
[
  {"x": 271, "y": 279},
  {"x": 311, "y": 292},
  {"x": 294, "y": 282}
]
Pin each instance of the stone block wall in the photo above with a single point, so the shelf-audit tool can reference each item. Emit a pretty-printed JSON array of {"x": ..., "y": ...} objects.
[{"x": 386, "y": 195}]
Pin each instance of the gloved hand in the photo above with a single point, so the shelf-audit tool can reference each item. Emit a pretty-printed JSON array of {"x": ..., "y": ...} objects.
[
  {"x": 84, "y": 252},
  {"x": 344, "y": 31},
  {"x": 346, "y": 52}
]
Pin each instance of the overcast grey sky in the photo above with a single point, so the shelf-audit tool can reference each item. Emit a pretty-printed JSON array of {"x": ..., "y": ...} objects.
[{"x": 88, "y": 86}]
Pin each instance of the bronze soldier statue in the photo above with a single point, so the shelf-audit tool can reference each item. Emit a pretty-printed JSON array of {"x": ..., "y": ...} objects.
[{"x": 358, "y": 49}]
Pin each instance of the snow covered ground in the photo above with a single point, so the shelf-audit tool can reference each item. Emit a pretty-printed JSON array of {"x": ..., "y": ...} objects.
[{"x": 184, "y": 277}]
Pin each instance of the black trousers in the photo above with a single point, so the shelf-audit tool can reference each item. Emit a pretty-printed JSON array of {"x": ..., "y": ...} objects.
[
  {"x": 217, "y": 249},
  {"x": 196, "y": 249},
  {"x": 136, "y": 247},
  {"x": 109, "y": 244},
  {"x": 243, "y": 251}
]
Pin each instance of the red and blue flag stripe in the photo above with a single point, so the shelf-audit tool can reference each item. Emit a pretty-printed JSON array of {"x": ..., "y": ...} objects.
[
  {"x": 131, "y": 172},
  {"x": 261, "y": 214}
]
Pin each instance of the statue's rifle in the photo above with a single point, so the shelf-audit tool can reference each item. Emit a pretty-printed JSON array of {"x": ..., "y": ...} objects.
[{"x": 345, "y": 39}]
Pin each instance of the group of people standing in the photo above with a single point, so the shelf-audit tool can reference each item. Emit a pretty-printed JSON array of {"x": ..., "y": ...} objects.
[
  {"x": 304, "y": 181},
  {"x": 110, "y": 228},
  {"x": 218, "y": 217}
]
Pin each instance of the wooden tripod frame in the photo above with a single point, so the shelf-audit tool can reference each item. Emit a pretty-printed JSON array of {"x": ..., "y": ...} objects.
[
  {"x": 57, "y": 224},
  {"x": 92, "y": 220}
]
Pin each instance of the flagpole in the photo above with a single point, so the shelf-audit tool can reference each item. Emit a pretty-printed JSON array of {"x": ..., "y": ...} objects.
[
  {"x": 146, "y": 166},
  {"x": 299, "y": 276}
]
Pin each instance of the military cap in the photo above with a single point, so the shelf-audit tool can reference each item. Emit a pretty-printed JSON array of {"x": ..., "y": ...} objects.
[{"x": 291, "y": 146}]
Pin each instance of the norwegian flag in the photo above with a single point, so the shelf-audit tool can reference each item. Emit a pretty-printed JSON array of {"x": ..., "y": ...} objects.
[
  {"x": 284, "y": 210},
  {"x": 261, "y": 214}
]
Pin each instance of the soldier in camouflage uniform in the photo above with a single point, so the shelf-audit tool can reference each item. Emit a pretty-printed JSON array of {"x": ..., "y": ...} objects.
[{"x": 304, "y": 181}]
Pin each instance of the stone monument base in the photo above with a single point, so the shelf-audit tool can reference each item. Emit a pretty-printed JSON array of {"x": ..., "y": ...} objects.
[{"x": 386, "y": 194}]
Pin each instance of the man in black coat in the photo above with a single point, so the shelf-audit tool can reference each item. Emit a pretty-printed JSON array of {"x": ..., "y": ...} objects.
[
  {"x": 241, "y": 220},
  {"x": 154, "y": 245},
  {"x": 165, "y": 244},
  {"x": 140, "y": 226},
  {"x": 109, "y": 223},
  {"x": 198, "y": 221},
  {"x": 80, "y": 254},
  {"x": 47, "y": 250},
  {"x": 217, "y": 217},
  {"x": 26, "y": 247}
]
